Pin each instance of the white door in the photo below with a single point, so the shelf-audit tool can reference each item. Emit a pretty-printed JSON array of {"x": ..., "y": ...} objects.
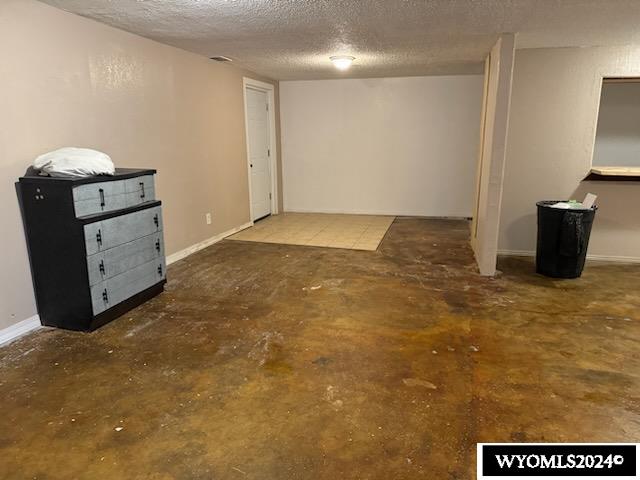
[{"x": 259, "y": 154}]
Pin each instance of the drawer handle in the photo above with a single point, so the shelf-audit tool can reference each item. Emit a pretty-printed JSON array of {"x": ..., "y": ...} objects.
[
  {"x": 101, "y": 268},
  {"x": 160, "y": 270},
  {"x": 158, "y": 245},
  {"x": 102, "y": 203},
  {"x": 156, "y": 220},
  {"x": 99, "y": 237},
  {"x": 105, "y": 296},
  {"x": 142, "y": 195}
]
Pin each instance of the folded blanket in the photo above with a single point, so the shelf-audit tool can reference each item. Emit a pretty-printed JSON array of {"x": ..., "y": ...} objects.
[{"x": 74, "y": 162}]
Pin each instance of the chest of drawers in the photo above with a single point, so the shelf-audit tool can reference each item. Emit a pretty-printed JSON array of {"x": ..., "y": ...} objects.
[{"x": 95, "y": 245}]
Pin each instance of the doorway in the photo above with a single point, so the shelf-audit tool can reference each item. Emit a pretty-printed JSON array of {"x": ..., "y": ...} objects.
[{"x": 261, "y": 154}]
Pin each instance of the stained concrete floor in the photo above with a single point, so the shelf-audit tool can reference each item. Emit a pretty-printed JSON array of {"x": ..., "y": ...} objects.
[{"x": 265, "y": 361}]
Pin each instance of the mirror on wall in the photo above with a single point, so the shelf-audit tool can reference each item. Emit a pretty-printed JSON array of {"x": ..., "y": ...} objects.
[{"x": 617, "y": 146}]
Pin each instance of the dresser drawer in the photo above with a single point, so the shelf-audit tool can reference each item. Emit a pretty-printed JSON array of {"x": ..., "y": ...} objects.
[
  {"x": 139, "y": 190},
  {"x": 92, "y": 198},
  {"x": 106, "y": 234},
  {"x": 109, "y": 293},
  {"x": 109, "y": 263},
  {"x": 110, "y": 228}
]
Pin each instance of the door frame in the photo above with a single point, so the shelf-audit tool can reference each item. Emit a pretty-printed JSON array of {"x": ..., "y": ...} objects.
[{"x": 273, "y": 147}]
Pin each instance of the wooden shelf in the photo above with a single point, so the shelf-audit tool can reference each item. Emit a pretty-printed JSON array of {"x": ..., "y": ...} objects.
[{"x": 614, "y": 174}]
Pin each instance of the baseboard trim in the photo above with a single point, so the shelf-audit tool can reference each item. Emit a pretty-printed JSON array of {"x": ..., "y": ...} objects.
[
  {"x": 597, "y": 258},
  {"x": 516, "y": 253},
  {"x": 174, "y": 257},
  {"x": 13, "y": 332},
  {"x": 615, "y": 259},
  {"x": 378, "y": 214}
]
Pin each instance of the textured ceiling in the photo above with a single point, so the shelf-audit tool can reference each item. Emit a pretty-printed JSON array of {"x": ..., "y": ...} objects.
[{"x": 292, "y": 39}]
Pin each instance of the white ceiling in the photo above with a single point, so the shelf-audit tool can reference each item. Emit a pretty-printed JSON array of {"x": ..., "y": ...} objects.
[{"x": 292, "y": 39}]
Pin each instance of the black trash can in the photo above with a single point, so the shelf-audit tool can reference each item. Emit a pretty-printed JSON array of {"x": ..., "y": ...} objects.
[{"x": 563, "y": 238}]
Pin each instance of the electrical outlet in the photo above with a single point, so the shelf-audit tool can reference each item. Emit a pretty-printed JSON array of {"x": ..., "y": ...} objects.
[{"x": 208, "y": 218}]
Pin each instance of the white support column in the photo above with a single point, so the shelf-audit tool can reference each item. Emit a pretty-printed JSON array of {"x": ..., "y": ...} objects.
[{"x": 498, "y": 79}]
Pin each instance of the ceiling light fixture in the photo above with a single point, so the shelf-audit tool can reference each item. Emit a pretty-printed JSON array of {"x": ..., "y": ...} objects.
[{"x": 342, "y": 62}]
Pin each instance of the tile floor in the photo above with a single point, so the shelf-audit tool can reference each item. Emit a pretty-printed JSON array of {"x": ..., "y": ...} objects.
[{"x": 357, "y": 232}]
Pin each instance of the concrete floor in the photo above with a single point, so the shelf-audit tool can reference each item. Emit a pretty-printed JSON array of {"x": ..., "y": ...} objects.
[{"x": 266, "y": 361}]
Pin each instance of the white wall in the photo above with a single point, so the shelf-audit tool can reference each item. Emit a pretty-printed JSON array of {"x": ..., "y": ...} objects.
[
  {"x": 618, "y": 134},
  {"x": 554, "y": 112},
  {"x": 399, "y": 146}
]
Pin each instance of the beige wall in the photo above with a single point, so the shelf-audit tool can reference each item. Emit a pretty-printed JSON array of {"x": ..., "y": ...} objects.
[
  {"x": 398, "y": 146},
  {"x": 69, "y": 81},
  {"x": 550, "y": 144}
]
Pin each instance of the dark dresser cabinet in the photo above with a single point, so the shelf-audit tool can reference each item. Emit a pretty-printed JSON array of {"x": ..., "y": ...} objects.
[{"x": 95, "y": 245}]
